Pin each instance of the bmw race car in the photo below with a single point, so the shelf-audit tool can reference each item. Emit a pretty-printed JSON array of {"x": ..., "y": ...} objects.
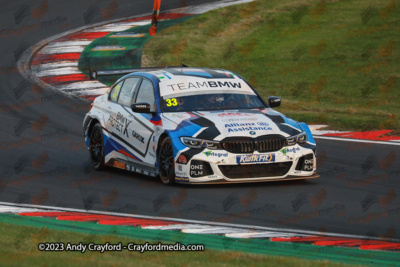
[{"x": 196, "y": 125}]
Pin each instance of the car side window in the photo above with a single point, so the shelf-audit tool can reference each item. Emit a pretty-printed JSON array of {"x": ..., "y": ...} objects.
[
  {"x": 115, "y": 91},
  {"x": 146, "y": 94},
  {"x": 128, "y": 91}
]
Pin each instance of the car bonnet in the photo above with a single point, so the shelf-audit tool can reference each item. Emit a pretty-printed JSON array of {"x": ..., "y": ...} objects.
[{"x": 217, "y": 125}]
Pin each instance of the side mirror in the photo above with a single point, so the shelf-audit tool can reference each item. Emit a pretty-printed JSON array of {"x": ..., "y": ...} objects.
[
  {"x": 141, "y": 107},
  {"x": 274, "y": 101}
]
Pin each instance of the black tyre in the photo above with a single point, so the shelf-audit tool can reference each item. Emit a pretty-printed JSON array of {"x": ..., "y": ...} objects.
[
  {"x": 96, "y": 147},
  {"x": 166, "y": 164}
]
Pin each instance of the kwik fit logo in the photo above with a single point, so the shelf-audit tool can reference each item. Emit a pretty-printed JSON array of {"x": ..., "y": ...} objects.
[{"x": 255, "y": 158}]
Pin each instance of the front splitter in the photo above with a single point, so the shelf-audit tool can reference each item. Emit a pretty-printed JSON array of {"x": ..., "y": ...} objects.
[{"x": 287, "y": 178}]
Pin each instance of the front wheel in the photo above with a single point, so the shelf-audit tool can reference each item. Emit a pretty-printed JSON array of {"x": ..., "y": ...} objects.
[
  {"x": 96, "y": 147},
  {"x": 166, "y": 164}
]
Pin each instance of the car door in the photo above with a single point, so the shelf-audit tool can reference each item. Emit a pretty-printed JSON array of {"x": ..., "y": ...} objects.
[
  {"x": 117, "y": 123},
  {"x": 142, "y": 129}
]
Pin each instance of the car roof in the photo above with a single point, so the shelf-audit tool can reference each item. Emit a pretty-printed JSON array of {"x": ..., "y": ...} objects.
[
  {"x": 168, "y": 74},
  {"x": 176, "y": 81}
]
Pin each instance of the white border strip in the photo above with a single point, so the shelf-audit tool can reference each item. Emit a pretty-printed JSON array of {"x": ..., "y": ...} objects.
[
  {"x": 251, "y": 227},
  {"x": 208, "y": 7}
]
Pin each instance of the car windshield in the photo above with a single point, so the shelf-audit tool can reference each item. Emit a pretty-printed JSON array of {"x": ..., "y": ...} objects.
[{"x": 222, "y": 101}]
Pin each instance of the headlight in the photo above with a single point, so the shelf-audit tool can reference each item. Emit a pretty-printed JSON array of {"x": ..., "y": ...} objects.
[
  {"x": 199, "y": 143},
  {"x": 300, "y": 139}
]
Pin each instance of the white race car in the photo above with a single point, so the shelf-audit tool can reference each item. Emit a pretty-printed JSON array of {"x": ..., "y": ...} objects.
[{"x": 196, "y": 125}]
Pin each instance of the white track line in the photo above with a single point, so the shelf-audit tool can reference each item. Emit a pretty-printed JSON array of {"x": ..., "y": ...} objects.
[
  {"x": 68, "y": 43},
  {"x": 111, "y": 28},
  {"x": 130, "y": 23},
  {"x": 213, "y": 230},
  {"x": 357, "y": 140},
  {"x": 260, "y": 234},
  {"x": 118, "y": 26},
  {"x": 175, "y": 226},
  {"x": 81, "y": 85},
  {"x": 322, "y": 132},
  {"x": 319, "y": 132},
  {"x": 319, "y": 129},
  {"x": 250, "y": 227},
  {"x": 60, "y": 71},
  {"x": 208, "y": 7},
  {"x": 7, "y": 209},
  {"x": 54, "y": 65},
  {"x": 89, "y": 92},
  {"x": 59, "y": 50}
]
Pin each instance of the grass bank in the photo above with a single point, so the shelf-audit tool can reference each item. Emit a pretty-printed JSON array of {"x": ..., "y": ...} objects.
[
  {"x": 332, "y": 62},
  {"x": 19, "y": 247}
]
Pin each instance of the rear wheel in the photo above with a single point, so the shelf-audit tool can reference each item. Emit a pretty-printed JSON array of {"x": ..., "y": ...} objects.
[
  {"x": 166, "y": 164},
  {"x": 96, "y": 147}
]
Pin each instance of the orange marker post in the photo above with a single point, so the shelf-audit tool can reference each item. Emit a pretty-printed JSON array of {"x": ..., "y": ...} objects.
[{"x": 154, "y": 19}]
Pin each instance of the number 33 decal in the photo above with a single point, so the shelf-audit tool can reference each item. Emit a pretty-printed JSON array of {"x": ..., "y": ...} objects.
[{"x": 171, "y": 102}]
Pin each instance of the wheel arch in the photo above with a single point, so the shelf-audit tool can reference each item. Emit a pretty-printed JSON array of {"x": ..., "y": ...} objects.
[
  {"x": 168, "y": 179},
  {"x": 160, "y": 140},
  {"x": 89, "y": 122},
  {"x": 90, "y": 125}
]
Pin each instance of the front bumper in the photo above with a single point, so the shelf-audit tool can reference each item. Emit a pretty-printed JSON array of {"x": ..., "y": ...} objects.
[
  {"x": 289, "y": 163},
  {"x": 287, "y": 178}
]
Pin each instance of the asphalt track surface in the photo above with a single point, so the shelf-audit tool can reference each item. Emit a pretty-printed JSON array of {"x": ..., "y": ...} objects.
[{"x": 44, "y": 159}]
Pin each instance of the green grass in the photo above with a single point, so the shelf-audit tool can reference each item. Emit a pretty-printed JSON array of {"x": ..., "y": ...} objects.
[
  {"x": 19, "y": 248},
  {"x": 333, "y": 62}
]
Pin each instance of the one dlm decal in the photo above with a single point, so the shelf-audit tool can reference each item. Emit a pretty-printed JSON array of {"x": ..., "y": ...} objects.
[{"x": 196, "y": 170}]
